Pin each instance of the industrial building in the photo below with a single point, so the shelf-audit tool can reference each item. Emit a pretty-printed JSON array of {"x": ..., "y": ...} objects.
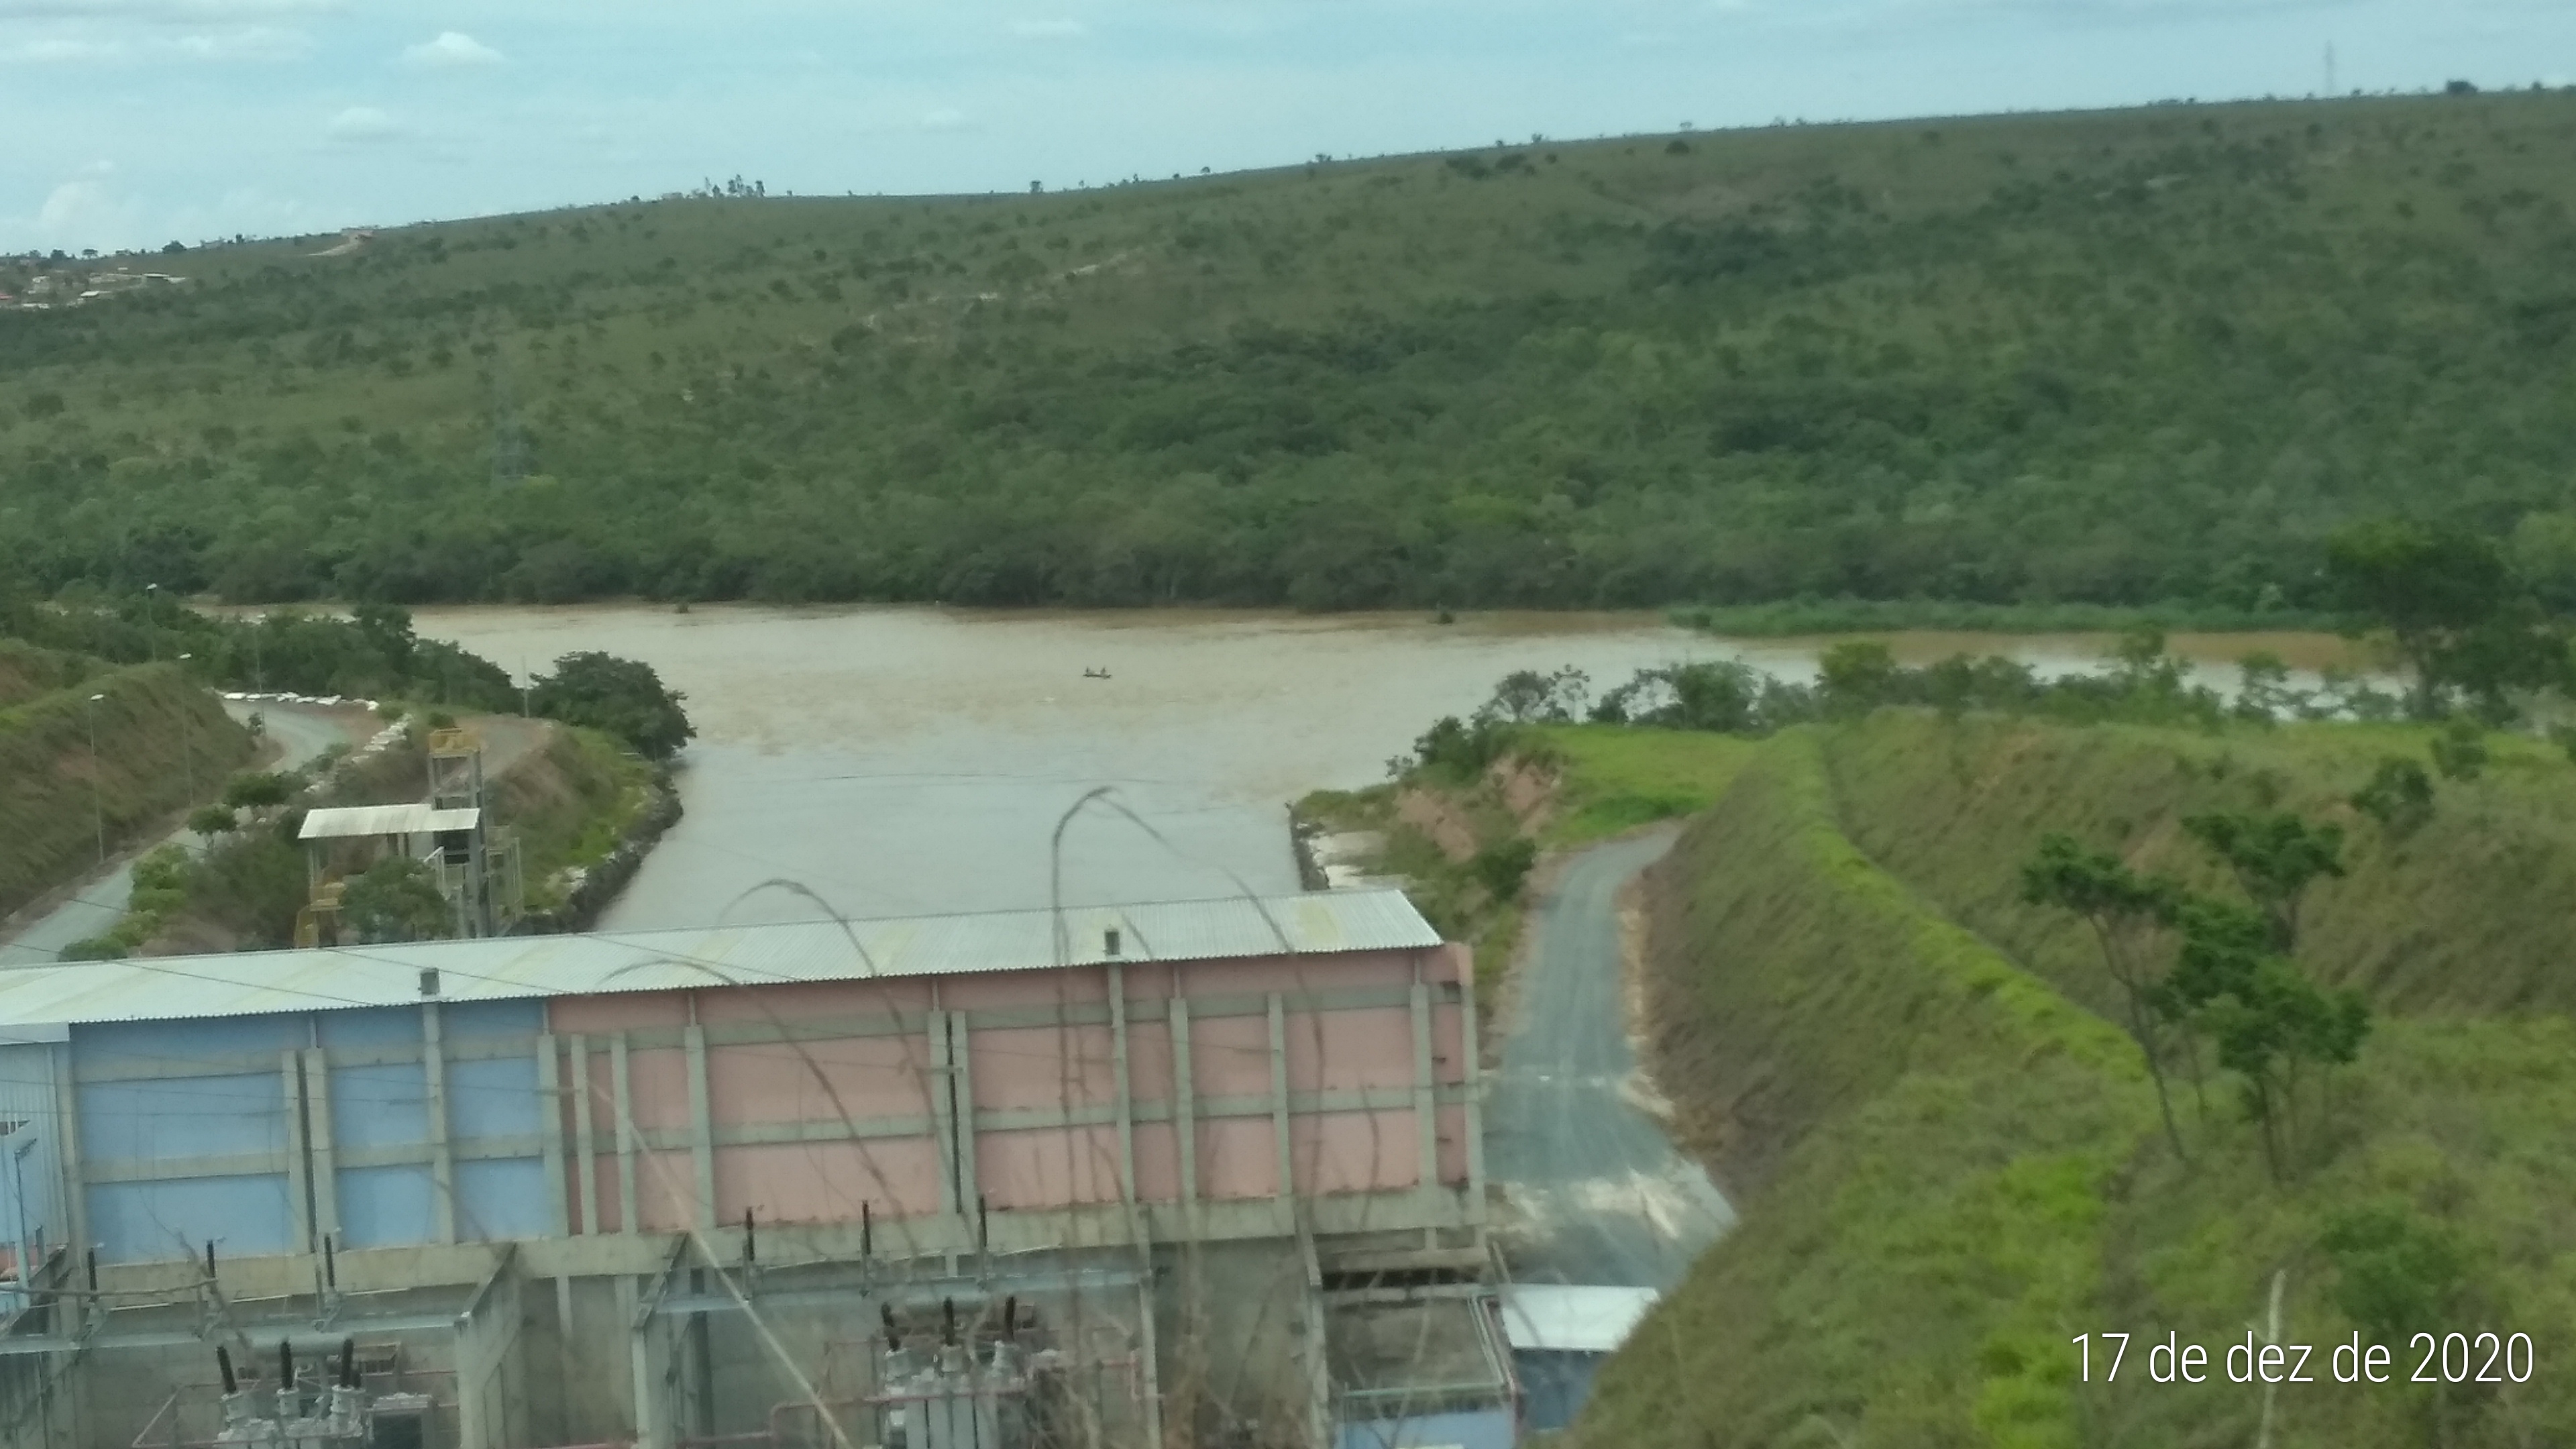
[{"x": 1208, "y": 1170}]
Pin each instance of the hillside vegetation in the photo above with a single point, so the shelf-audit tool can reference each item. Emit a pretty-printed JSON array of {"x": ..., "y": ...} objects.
[
  {"x": 155, "y": 727},
  {"x": 1949, "y": 1167},
  {"x": 2105, "y": 359}
]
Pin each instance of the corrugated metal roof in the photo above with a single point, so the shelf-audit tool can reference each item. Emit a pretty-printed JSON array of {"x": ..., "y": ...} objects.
[
  {"x": 417, "y": 818},
  {"x": 517, "y": 967},
  {"x": 1555, "y": 1318}
]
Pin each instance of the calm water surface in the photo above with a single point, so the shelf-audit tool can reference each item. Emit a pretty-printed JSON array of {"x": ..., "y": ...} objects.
[{"x": 899, "y": 761}]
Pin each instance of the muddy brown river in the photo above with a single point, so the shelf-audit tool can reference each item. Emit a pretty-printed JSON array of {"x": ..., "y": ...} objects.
[{"x": 911, "y": 760}]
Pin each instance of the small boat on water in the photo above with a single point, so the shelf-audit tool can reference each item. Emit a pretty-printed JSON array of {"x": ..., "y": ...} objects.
[{"x": 1095, "y": 674}]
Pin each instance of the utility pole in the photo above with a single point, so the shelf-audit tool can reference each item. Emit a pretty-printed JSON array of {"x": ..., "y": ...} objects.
[
  {"x": 188, "y": 738},
  {"x": 97, "y": 803},
  {"x": 152, "y": 620}
]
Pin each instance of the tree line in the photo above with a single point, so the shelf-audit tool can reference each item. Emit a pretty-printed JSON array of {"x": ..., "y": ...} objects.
[{"x": 2154, "y": 369}]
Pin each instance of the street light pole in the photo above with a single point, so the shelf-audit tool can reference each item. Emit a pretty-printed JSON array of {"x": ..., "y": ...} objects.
[
  {"x": 151, "y": 620},
  {"x": 188, "y": 737},
  {"x": 97, "y": 803}
]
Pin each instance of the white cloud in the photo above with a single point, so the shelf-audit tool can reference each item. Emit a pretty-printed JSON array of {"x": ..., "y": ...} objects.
[
  {"x": 87, "y": 213},
  {"x": 362, "y": 123},
  {"x": 1050, "y": 29},
  {"x": 252, "y": 42},
  {"x": 452, "y": 50},
  {"x": 175, "y": 12},
  {"x": 945, "y": 119},
  {"x": 60, "y": 50},
  {"x": 91, "y": 45}
]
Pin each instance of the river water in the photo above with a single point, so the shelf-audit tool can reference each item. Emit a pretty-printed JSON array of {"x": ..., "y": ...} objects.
[{"x": 914, "y": 760}]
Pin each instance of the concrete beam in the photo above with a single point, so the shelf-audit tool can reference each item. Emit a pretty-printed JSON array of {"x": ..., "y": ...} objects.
[
  {"x": 299, "y": 1150},
  {"x": 1185, "y": 1097},
  {"x": 550, "y": 1097},
  {"x": 326, "y": 1170},
  {"x": 1126, "y": 1098},
  {"x": 442, "y": 1160},
  {"x": 628, "y": 1209},
  {"x": 1279, "y": 1098},
  {"x": 1472, "y": 1073},
  {"x": 961, "y": 1089},
  {"x": 702, "y": 1129},
  {"x": 1426, "y": 1116},
  {"x": 585, "y": 1151}
]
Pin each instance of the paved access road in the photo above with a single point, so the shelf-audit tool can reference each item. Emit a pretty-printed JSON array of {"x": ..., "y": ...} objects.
[
  {"x": 304, "y": 733},
  {"x": 1597, "y": 1193}
]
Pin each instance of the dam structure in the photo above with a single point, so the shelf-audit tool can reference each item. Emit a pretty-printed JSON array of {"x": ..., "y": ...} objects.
[{"x": 1206, "y": 1171}]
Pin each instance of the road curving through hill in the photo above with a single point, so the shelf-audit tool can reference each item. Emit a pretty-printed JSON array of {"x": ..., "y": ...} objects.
[{"x": 1595, "y": 1191}]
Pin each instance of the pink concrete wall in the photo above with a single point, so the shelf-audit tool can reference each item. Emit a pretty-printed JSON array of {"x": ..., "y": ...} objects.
[
  {"x": 1047, "y": 1168},
  {"x": 1238, "y": 1158},
  {"x": 1335, "y": 1051},
  {"x": 1354, "y": 1151},
  {"x": 853, "y": 1079},
  {"x": 1021, "y": 1068},
  {"x": 878, "y": 1080},
  {"x": 826, "y": 1182},
  {"x": 1230, "y": 1056},
  {"x": 1158, "y": 1162}
]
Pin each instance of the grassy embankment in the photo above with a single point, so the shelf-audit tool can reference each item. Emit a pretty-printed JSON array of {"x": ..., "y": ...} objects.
[
  {"x": 1949, "y": 1167},
  {"x": 150, "y": 727},
  {"x": 1570, "y": 785},
  {"x": 2117, "y": 360},
  {"x": 569, "y": 801}
]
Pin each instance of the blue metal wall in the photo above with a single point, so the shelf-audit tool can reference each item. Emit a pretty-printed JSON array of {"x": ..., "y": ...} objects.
[
  {"x": 261, "y": 1132},
  {"x": 1473, "y": 1429},
  {"x": 184, "y": 1135},
  {"x": 30, "y": 1207}
]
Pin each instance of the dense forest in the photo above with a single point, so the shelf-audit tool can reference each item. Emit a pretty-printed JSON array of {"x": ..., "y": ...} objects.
[{"x": 2118, "y": 359}]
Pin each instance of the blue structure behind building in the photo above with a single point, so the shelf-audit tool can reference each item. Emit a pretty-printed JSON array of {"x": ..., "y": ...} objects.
[{"x": 375, "y": 1127}]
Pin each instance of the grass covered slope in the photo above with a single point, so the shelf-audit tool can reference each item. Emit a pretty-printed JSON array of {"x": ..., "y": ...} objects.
[
  {"x": 1948, "y": 1168},
  {"x": 1925, "y": 1131},
  {"x": 151, "y": 724},
  {"x": 2096, "y": 359},
  {"x": 2445, "y": 917}
]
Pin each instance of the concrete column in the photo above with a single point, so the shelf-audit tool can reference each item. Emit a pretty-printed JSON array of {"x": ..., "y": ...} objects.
[
  {"x": 585, "y": 1151},
  {"x": 298, "y": 1151},
  {"x": 317, "y": 1126},
  {"x": 550, "y": 1092},
  {"x": 1185, "y": 1101},
  {"x": 652, "y": 1425},
  {"x": 442, "y": 1160},
  {"x": 1279, "y": 1097},
  {"x": 69, "y": 1172},
  {"x": 961, "y": 1077},
  {"x": 628, "y": 1207},
  {"x": 943, "y": 1113},
  {"x": 1319, "y": 1367},
  {"x": 1151, "y": 1353},
  {"x": 702, "y": 1127},
  {"x": 1126, "y": 1100},
  {"x": 1426, "y": 1115},
  {"x": 1472, "y": 1074}
]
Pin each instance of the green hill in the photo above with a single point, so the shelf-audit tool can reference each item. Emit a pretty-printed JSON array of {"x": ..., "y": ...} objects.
[
  {"x": 2108, "y": 358},
  {"x": 153, "y": 728},
  {"x": 1949, "y": 1168}
]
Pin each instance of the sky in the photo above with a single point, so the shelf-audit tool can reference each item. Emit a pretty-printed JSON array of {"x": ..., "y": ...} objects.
[{"x": 128, "y": 123}]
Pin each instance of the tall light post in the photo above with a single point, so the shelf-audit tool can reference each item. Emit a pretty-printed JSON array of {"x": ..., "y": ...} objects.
[
  {"x": 151, "y": 620},
  {"x": 97, "y": 802},
  {"x": 188, "y": 737}
]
